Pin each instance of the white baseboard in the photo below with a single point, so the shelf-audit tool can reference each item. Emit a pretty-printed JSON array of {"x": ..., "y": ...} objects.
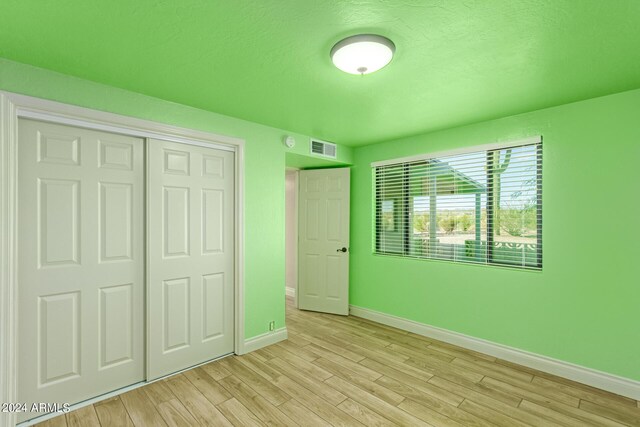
[
  {"x": 291, "y": 292},
  {"x": 264, "y": 340},
  {"x": 602, "y": 380}
]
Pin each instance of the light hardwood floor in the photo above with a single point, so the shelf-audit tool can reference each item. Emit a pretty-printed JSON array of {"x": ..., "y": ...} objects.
[{"x": 347, "y": 371}]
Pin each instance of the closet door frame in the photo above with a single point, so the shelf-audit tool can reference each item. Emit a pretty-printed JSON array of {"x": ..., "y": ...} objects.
[{"x": 13, "y": 107}]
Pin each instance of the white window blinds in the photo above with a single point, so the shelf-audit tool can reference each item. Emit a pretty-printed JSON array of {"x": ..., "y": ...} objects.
[{"x": 481, "y": 206}]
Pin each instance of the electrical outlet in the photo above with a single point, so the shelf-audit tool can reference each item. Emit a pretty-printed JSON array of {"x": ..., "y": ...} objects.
[{"x": 272, "y": 325}]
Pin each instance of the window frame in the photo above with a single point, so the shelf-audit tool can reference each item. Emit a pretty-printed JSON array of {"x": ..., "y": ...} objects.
[{"x": 406, "y": 224}]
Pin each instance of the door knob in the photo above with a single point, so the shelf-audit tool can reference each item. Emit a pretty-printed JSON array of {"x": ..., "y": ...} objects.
[{"x": 342, "y": 250}]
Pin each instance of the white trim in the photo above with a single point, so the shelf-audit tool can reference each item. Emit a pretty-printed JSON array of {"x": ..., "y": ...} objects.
[
  {"x": 29, "y": 106},
  {"x": 297, "y": 236},
  {"x": 291, "y": 290},
  {"x": 8, "y": 256},
  {"x": 14, "y": 106},
  {"x": 602, "y": 380},
  {"x": 461, "y": 150},
  {"x": 239, "y": 256},
  {"x": 111, "y": 128},
  {"x": 265, "y": 339}
]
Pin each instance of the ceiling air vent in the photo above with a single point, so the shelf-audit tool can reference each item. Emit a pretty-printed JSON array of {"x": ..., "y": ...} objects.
[{"x": 322, "y": 148}]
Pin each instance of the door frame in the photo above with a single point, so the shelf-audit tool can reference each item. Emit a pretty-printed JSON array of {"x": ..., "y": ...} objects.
[
  {"x": 12, "y": 108},
  {"x": 296, "y": 178}
]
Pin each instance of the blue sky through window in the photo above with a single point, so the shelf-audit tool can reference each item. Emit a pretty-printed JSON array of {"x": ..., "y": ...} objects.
[{"x": 517, "y": 186}]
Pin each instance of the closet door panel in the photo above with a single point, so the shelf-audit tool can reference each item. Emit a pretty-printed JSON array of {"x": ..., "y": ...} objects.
[
  {"x": 81, "y": 263},
  {"x": 190, "y": 257}
]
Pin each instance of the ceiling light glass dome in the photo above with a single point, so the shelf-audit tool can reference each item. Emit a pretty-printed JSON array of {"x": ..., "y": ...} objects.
[{"x": 362, "y": 54}]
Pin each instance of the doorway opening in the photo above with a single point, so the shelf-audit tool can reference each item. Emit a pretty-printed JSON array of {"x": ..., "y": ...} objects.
[
  {"x": 317, "y": 239},
  {"x": 291, "y": 236}
]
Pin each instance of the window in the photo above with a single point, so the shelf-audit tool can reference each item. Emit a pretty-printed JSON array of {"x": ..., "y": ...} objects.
[{"x": 478, "y": 206}]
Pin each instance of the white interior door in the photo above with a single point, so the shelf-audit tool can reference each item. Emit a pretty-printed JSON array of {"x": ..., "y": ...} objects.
[
  {"x": 190, "y": 256},
  {"x": 81, "y": 263},
  {"x": 323, "y": 237}
]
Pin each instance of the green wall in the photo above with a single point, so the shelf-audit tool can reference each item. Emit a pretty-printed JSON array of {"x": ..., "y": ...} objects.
[
  {"x": 584, "y": 307},
  {"x": 264, "y": 176}
]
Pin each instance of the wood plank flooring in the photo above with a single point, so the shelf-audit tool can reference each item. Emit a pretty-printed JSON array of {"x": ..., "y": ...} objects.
[{"x": 347, "y": 371}]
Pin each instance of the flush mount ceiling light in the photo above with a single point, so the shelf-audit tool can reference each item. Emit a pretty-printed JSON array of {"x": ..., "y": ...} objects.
[{"x": 362, "y": 54}]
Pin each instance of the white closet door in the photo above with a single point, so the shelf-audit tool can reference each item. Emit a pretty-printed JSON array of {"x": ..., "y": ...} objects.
[
  {"x": 191, "y": 255},
  {"x": 81, "y": 263}
]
